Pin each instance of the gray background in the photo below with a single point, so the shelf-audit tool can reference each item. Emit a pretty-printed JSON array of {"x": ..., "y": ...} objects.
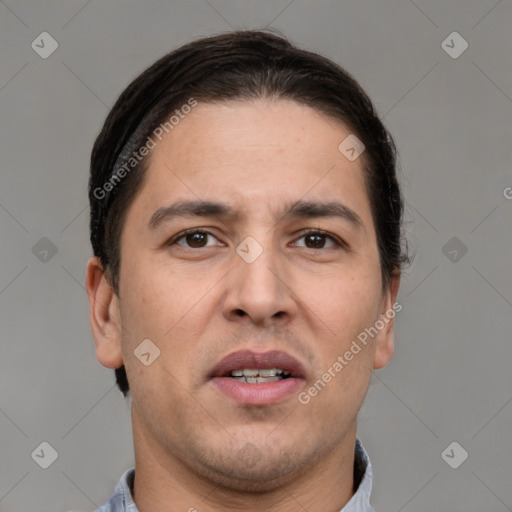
[{"x": 450, "y": 379}]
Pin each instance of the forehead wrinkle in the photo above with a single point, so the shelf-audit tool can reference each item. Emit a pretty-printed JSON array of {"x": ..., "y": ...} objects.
[{"x": 297, "y": 209}]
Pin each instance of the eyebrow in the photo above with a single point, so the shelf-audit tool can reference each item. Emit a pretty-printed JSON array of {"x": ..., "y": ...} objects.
[
  {"x": 299, "y": 209},
  {"x": 192, "y": 209}
]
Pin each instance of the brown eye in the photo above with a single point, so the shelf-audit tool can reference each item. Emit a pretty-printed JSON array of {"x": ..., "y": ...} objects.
[
  {"x": 317, "y": 240},
  {"x": 195, "y": 240}
]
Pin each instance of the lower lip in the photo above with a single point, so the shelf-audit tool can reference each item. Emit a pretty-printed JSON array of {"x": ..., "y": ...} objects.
[{"x": 265, "y": 393}]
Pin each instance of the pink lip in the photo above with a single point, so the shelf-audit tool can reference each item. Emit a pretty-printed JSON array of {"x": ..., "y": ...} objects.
[{"x": 258, "y": 394}]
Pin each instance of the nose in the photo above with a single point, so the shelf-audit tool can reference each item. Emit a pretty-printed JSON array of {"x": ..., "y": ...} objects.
[{"x": 260, "y": 292}]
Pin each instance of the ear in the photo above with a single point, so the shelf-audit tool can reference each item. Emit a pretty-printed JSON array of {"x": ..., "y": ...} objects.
[
  {"x": 385, "y": 338},
  {"x": 103, "y": 315}
]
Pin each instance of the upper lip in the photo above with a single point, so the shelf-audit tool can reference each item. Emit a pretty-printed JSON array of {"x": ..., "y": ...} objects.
[{"x": 248, "y": 359}]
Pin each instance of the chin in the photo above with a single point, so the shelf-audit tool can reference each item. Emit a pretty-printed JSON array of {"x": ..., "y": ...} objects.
[
  {"x": 255, "y": 468},
  {"x": 262, "y": 477}
]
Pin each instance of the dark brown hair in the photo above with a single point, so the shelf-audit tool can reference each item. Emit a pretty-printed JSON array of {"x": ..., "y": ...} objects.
[{"x": 236, "y": 66}]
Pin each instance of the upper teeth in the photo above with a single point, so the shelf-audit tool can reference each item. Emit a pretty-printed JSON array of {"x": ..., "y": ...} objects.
[{"x": 265, "y": 372}]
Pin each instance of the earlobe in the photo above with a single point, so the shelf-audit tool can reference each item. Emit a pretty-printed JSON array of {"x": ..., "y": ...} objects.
[
  {"x": 385, "y": 339},
  {"x": 103, "y": 315},
  {"x": 384, "y": 352}
]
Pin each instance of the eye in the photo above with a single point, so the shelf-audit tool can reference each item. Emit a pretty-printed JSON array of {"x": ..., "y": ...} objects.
[
  {"x": 318, "y": 240},
  {"x": 194, "y": 239}
]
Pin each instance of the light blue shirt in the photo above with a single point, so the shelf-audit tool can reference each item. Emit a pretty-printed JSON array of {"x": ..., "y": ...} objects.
[{"x": 122, "y": 501}]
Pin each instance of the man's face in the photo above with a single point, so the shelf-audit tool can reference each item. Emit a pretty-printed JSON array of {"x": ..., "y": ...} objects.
[{"x": 202, "y": 297}]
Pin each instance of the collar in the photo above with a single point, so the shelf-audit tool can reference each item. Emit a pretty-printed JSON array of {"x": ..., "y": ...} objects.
[
  {"x": 360, "y": 501},
  {"x": 122, "y": 501}
]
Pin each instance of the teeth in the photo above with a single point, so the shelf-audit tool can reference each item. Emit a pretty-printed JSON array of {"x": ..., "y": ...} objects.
[
  {"x": 257, "y": 380},
  {"x": 251, "y": 373},
  {"x": 264, "y": 372}
]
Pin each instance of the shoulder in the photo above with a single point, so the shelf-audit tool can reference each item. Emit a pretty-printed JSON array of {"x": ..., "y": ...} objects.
[{"x": 121, "y": 499}]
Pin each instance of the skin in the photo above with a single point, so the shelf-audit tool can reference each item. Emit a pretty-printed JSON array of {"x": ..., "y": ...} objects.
[{"x": 195, "y": 447}]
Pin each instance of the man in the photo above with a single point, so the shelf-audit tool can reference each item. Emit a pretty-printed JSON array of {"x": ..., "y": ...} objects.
[{"x": 246, "y": 227}]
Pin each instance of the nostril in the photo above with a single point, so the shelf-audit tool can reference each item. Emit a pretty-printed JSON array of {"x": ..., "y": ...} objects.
[{"x": 240, "y": 312}]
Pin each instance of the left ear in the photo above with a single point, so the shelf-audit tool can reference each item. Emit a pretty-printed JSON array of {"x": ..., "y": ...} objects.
[{"x": 385, "y": 338}]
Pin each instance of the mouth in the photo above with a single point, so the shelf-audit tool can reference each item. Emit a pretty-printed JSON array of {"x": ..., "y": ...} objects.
[{"x": 255, "y": 378}]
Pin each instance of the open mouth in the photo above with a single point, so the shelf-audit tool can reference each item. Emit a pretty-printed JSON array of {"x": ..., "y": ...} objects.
[{"x": 259, "y": 376}]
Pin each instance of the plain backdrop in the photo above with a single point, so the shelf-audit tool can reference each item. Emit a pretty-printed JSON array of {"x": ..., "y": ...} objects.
[{"x": 451, "y": 115}]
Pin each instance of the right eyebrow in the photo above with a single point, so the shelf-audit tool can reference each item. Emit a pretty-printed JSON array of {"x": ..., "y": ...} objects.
[{"x": 191, "y": 209}]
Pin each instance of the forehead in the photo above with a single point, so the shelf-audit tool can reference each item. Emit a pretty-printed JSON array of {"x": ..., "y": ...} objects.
[
  {"x": 255, "y": 154},
  {"x": 258, "y": 128}
]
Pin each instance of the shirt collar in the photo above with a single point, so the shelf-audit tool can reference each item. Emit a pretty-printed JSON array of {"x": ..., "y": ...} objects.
[
  {"x": 360, "y": 501},
  {"x": 122, "y": 501}
]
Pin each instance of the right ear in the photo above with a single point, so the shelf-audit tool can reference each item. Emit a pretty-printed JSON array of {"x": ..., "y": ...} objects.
[{"x": 103, "y": 315}]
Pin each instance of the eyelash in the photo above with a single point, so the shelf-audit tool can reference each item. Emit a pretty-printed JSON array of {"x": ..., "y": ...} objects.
[{"x": 337, "y": 241}]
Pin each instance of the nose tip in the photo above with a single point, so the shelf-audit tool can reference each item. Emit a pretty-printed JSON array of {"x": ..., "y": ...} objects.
[{"x": 256, "y": 292}]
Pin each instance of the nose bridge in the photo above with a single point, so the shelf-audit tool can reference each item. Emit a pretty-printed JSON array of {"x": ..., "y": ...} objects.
[
  {"x": 256, "y": 268},
  {"x": 257, "y": 288}
]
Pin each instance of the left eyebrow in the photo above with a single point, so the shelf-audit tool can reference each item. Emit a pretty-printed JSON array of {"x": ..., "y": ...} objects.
[
  {"x": 312, "y": 209},
  {"x": 298, "y": 209}
]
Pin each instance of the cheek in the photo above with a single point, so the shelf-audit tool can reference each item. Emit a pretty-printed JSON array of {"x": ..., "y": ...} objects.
[
  {"x": 342, "y": 309},
  {"x": 153, "y": 294},
  {"x": 161, "y": 306},
  {"x": 165, "y": 305},
  {"x": 346, "y": 301},
  {"x": 341, "y": 313}
]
